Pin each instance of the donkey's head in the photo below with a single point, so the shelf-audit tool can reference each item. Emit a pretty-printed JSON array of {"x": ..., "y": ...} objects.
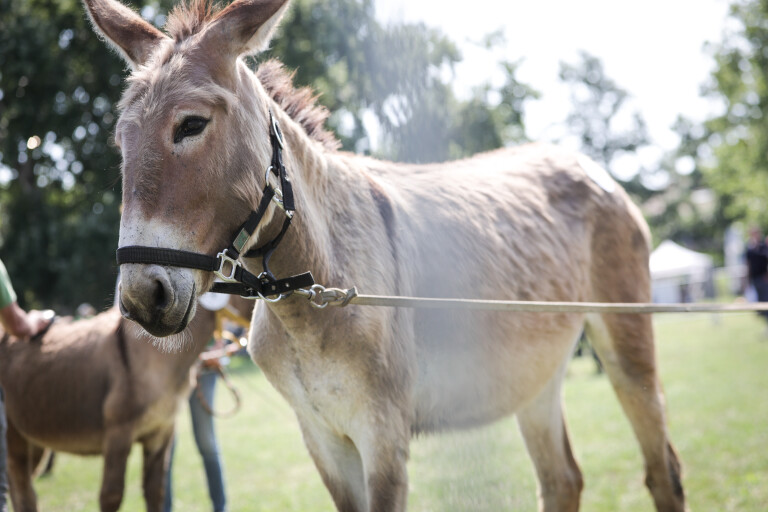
[{"x": 193, "y": 132}]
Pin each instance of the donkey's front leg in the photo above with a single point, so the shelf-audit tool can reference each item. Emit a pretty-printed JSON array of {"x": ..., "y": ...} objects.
[
  {"x": 363, "y": 472},
  {"x": 340, "y": 466},
  {"x": 156, "y": 452},
  {"x": 385, "y": 457},
  {"x": 116, "y": 449}
]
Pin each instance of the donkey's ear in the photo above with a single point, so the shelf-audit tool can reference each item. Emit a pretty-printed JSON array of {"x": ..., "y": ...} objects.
[
  {"x": 132, "y": 36},
  {"x": 245, "y": 26}
]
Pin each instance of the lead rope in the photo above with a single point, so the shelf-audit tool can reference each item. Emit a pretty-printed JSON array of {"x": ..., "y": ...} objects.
[
  {"x": 321, "y": 297},
  {"x": 219, "y": 332},
  {"x": 232, "y": 389}
]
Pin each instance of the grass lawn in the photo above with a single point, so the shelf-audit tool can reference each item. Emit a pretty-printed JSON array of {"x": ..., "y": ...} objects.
[{"x": 715, "y": 373}]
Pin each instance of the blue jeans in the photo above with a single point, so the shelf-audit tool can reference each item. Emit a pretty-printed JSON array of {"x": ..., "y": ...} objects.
[{"x": 205, "y": 438}]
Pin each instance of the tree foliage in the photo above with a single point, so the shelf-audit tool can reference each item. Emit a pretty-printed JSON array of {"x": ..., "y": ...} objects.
[
  {"x": 687, "y": 210},
  {"x": 60, "y": 175},
  {"x": 726, "y": 157},
  {"x": 597, "y": 101},
  {"x": 683, "y": 208},
  {"x": 599, "y": 106},
  {"x": 733, "y": 149},
  {"x": 399, "y": 76}
]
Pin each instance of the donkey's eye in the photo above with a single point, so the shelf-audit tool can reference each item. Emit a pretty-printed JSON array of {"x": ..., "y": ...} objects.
[{"x": 189, "y": 127}]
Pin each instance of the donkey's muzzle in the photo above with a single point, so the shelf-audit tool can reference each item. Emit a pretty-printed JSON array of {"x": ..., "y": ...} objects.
[{"x": 149, "y": 297}]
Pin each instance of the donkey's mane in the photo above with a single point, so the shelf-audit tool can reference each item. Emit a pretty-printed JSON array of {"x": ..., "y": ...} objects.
[
  {"x": 299, "y": 103},
  {"x": 189, "y": 18}
]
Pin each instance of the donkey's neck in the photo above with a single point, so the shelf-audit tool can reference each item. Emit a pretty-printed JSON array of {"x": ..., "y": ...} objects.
[
  {"x": 336, "y": 209},
  {"x": 305, "y": 246}
]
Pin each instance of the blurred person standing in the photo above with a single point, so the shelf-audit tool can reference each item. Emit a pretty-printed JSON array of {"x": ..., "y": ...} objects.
[
  {"x": 200, "y": 409},
  {"x": 757, "y": 266}
]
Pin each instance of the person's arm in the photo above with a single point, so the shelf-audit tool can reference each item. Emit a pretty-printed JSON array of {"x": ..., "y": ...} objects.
[
  {"x": 15, "y": 320},
  {"x": 211, "y": 357}
]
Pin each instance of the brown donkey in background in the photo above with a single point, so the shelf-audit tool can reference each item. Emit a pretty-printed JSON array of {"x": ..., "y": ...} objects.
[
  {"x": 95, "y": 387},
  {"x": 534, "y": 223}
]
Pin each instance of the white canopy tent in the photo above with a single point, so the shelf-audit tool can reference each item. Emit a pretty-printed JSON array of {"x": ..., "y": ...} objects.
[{"x": 679, "y": 274}]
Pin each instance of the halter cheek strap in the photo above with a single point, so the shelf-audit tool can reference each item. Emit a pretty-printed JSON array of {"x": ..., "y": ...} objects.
[{"x": 226, "y": 265}]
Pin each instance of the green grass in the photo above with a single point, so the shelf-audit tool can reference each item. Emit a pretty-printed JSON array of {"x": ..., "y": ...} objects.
[{"x": 715, "y": 375}]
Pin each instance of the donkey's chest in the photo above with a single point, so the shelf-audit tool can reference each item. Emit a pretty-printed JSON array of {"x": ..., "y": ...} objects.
[{"x": 320, "y": 387}]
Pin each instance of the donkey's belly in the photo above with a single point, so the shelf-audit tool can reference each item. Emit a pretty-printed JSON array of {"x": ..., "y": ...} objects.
[
  {"x": 466, "y": 381},
  {"x": 69, "y": 426},
  {"x": 80, "y": 440}
]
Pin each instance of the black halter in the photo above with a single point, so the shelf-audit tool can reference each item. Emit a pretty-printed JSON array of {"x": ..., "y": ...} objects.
[{"x": 226, "y": 265}]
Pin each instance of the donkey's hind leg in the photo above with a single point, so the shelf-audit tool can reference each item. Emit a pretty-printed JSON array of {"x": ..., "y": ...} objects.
[
  {"x": 546, "y": 438},
  {"x": 42, "y": 461},
  {"x": 624, "y": 343}
]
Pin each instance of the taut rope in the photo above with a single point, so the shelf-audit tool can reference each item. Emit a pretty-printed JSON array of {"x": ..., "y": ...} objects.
[{"x": 320, "y": 297}]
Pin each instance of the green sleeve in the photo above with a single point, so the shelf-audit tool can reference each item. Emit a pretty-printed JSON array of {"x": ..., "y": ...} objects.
[{"x": 7, "y": 295}]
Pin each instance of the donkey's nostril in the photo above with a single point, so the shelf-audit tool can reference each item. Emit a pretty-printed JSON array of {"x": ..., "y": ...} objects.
[
  {"x": 161, "y": 295},
  {"x": 124, "y": 310}
]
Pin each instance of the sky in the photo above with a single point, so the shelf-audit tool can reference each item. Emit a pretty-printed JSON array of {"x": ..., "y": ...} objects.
[{"x": 654, "y": 49}]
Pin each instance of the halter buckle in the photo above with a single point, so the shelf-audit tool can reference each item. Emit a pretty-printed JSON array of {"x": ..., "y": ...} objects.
[
  {"x": 278, "y": 197},
  {"x": 278, "y": 200},
  {"x": 233, "y": 264}
]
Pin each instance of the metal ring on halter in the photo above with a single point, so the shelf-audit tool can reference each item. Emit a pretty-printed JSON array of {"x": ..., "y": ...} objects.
[
  {"x": 316, "y": 290},
  {"x": 278, "y": 299},
  {"x": 266, "y": 177},
  {"x": 277, "y": 132},
  {"x": 268, "y": 276}
]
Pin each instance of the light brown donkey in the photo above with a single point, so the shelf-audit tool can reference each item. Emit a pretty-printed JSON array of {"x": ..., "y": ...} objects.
[
  {"x": 95, "y": 387},
  {"x": 531, "y": 223}
]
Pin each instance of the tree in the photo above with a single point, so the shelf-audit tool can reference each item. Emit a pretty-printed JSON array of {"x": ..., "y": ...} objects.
[
  {"x": 356, "y": 64},
  {"x": 682, "y": 208},
  {"x": 442, "y": 127},
  {"x": 725, "y": 157},
  {"x": 598, "y": 104},
  {"x": 397, "y": 73},
  {"x": 60, "y": 176},
  {"x": 733, "y": 150},
  {"x": 687, "y": 209}
]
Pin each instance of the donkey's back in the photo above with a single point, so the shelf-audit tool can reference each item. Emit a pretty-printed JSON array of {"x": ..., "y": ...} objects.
[{"x": 527, "y": 220}]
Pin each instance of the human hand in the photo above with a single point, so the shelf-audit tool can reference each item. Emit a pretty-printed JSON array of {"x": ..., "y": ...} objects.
[{"x": 38, "y": 321}]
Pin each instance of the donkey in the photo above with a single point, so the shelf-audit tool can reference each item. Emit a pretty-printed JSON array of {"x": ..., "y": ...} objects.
[
  {"x": 96, "y": 386},
  {"x": 531, "y": 223}
]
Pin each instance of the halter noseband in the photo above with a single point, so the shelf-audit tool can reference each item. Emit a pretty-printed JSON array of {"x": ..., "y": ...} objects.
[{"x": 236, "y": 280}]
